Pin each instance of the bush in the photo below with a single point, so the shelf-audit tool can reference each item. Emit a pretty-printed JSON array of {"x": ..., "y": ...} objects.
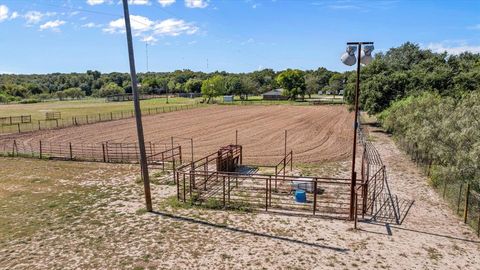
[{"x": 29, "y": 101}]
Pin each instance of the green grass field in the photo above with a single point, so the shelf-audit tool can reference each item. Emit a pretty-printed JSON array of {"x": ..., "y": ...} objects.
[{"x": 83, "y": 107}]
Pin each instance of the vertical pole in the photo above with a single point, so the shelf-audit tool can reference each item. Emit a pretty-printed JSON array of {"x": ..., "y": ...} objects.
[
  {"x": 266, "y": 194},
  {"x": 138, "y": 113},
  {"x": 18, "y": 124},
  {"x": 191, "y": 146},
  {"x": 236, "y": 137},
  {"x": 223, "y": 191},
  {"x": 465, "y": 212},
  {"x": 270, "y": 191},
  {"x": 40, "y": 143},
  {"x": 355, "y": 127},
  {"x": 163, "y": 163},
  {"x": 315, "y": 191},
  {"x": 356, "y": 214},
  {"x": 228, "y": 180},
  {"x": 178, "y": 188},
  {"x": 103, "y": 153},
  {"x": 70, "y": 148},
  {"x": 184, "y": 190},
  {"x": 276, "y": 176}
]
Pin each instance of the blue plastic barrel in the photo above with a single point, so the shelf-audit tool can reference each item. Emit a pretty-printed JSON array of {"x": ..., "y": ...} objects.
[{"x": 300, "y": 196}]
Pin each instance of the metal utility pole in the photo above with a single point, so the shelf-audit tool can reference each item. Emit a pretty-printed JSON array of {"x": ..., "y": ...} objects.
[
  {"x": 138, "y": 112},
  {"x": 355, "y": 127}
]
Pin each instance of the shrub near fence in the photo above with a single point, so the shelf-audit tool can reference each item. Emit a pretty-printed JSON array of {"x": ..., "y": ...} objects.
[
  {"x": 459, "y": 195},
  {"x": 89, "y": 119}
]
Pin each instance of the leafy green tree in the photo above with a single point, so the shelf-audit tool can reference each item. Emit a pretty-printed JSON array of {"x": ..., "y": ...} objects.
[
  {"x": 74, "y": 93},
  {"x": 110, "y": 89},
  {"x": 213, "y": 87},
  {"x": 336, "y": 83},
  {"x": 250, "y": 87},
  {"x": 312, "y": 85},
  {"x": 193, "y": 86},
  {"x": 293, "y": 82}
]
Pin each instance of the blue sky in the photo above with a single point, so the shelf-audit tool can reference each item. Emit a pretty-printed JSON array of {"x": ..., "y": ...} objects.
[{"x": 45, "y": 36}]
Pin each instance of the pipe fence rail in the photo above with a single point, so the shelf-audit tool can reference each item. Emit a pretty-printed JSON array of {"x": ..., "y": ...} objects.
[
  {"x": 108, "y": 152},
  {"x": 325, "y": 196},
  {"x": 21, "y": 127}
]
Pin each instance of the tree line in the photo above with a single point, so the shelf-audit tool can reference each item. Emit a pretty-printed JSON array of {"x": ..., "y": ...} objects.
[
  {"x": 431, "y": 103},
  {"x": 296, "y": 83}
]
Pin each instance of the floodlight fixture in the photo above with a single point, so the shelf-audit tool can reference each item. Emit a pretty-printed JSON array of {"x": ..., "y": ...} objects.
[{"x": 348, "y": 58}]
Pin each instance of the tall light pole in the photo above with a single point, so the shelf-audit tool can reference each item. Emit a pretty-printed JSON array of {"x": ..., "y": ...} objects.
[
  {"x": 138, "y": 112},
  {"x": 349, "y": 59}
]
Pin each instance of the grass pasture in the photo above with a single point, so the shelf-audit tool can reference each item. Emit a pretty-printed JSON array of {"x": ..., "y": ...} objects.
[{"x": 83, "y": 107}]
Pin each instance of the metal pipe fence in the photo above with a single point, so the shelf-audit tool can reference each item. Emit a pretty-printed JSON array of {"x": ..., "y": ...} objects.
[
  {"x": 109, "y": 152},
  {"x": 325, "y": 196},
  {"x": 86, "y": 119}
]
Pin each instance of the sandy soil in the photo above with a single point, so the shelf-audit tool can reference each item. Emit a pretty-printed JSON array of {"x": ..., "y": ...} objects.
[
  {"x": 111, "y": 233},
  {"x": 315, "y": 134}
]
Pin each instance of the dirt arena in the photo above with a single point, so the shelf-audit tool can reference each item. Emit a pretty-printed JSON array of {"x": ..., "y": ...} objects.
[{"x": 315, "y": 133}]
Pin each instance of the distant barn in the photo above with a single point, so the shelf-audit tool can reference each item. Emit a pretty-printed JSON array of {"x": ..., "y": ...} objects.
[{"x": 276, "y": 94}]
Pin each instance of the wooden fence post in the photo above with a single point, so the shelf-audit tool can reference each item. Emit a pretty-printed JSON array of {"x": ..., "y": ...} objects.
[
  {"x": 70, "y": 148},
  {"x": 465, "y": 212},
  {"x": 40, "y": 143}
]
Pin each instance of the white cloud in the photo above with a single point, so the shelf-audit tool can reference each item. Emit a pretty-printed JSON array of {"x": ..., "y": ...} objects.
[
  {"x": 34, "y": 17},
  {"x": 138, "y": 23},
  {"x": 139, "y": 2},
  {"x": 3, "y": 13},
  {"x": 148, "y": 29},
  {"x": 53, "y": 25},
  {"x": 96, "y": 2},
  {"x": 91, "y": 25},
  {"x": 174, "y": 27},
  {"x": 453, "y": 49},
  {"x": 14, "y": 15},
  {"x": 165, "y": 3},
  {"x": 149, "y": 39},
  {"x": 196, "y": 3}
]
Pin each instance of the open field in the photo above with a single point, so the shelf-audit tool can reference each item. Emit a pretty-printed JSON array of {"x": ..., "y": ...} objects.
[
  {"x": 67, "y": 215},
  {"x": 82, "y": 107},
  {"x": 315, "y": 133}
]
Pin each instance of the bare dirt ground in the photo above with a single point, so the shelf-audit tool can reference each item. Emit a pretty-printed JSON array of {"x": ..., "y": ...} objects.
[
  {"x": 89, "y": 216},
  {"x": 315, "y": 133}
]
